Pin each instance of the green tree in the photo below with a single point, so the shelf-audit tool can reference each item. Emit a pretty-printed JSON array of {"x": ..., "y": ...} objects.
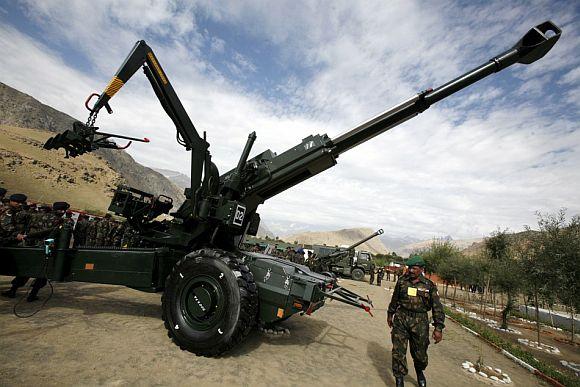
[
  {"x": 438, "y": 252},
  {"x": 559, "y": 243},
  {"x": 504, "y": 270}
]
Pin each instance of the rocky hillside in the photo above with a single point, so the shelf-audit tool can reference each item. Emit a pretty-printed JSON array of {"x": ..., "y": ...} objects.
[
  {"x": 340, "y": 237},
  {"x": 19, "y": 110},
  {"x": 462, "y": 244}
]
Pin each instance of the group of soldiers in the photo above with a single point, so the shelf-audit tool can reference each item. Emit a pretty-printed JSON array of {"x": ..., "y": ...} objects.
[
  {"x": 24, "y": 224},
  {"x": 380, "y": 274},
  {"x": 29, "y": 224},
  {"x": 104, "y": 232},
  {"x": 290, "y": 254}
]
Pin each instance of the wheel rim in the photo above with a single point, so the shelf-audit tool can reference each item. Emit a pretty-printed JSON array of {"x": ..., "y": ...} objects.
[{"x": 202, "y": 302}]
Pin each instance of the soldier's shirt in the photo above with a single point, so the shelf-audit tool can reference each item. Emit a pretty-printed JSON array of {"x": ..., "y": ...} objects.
[{"x": 418, "y": 297}]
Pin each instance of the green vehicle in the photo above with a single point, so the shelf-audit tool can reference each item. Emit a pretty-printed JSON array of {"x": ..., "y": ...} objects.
[
  {"x": 346, "y": 262},
  {"x": 213, "y": 292}
]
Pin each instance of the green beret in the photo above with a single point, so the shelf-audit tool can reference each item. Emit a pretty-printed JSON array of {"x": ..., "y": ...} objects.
[{"x": 415, "y": 260}]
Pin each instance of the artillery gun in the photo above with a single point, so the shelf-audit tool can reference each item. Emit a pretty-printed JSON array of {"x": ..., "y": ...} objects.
[
  {"x": 213, "y": 293},
  {"x": 345, "y": 261}
]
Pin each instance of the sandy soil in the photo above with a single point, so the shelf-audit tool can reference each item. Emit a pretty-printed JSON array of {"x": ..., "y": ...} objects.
[{"x": 92, "y": 334}]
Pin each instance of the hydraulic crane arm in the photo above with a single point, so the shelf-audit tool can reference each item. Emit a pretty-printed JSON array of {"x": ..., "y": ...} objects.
[{"x": 142, "y": 56}]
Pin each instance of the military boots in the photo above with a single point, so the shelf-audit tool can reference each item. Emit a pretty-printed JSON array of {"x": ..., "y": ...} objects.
[
  {"x": 421, "y": 378},
  {"x": 400, "y": 381},
  {"x": 10, "y": 293}
]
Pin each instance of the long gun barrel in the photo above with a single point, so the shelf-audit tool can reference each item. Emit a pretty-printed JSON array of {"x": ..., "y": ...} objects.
[
  {"x": 533, "y": 46},
  {"x": 342, "y": 251},
  {"x": 376, "y": 233},
  {"x": 318, "y": 152}
]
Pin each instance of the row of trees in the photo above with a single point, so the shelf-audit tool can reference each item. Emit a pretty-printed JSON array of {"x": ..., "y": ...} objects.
[{"x": 540, "y": 265}]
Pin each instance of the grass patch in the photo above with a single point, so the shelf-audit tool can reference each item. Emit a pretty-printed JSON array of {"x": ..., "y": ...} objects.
[{"x": 515, "y": 350}]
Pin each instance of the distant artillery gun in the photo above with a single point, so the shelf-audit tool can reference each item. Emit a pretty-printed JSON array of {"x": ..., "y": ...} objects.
[
  {"x": 214, "y": 293},
  {"x": 346, "y": 261}
]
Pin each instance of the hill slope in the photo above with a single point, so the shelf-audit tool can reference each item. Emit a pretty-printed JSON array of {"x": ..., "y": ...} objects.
[{"x": 19, "y": 110}]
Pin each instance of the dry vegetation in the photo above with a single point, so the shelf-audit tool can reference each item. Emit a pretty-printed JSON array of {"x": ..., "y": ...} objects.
[{"x": 46, "y": 176}]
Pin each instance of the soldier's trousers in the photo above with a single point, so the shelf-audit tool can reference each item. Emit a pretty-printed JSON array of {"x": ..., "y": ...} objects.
[
  {"x": 413, "y": 328},
  {"x": 37, "y": 284}
]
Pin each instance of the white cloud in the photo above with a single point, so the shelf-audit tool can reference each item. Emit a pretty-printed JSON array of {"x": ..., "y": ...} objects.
[{"x": 483, "y": 160}]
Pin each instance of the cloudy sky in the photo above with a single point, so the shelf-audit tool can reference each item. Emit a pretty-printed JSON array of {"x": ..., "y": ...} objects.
[{"x": 487, "y": 157}]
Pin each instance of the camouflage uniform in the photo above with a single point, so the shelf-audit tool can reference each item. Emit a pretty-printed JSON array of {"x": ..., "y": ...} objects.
[
  {"x": 380, "y": 275},
  {"x": 41, "y": 226},
  {"x": 102, "y": 234},
  {"x": 129, "y": 238},
  {"x": 116, "y": 234},
  {"x": 13, "y": 221},
  {"x": 408, "y": 308},
  {"x": 80, "y": 231},
  {"x": 92, "y": 232},
  {"x": 372, "y": 273}
]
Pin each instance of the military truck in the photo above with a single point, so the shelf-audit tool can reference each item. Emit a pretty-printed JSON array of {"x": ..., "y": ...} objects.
[
  {"x": 344, "y": 261},
  {"x": 213, "y": 292}
]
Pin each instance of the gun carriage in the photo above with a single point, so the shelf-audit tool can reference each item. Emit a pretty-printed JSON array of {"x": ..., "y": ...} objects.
[{"x": 214, "y": 293}]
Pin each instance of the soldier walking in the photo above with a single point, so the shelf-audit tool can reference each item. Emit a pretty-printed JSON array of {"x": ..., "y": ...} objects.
[
  {"x": 372, "y": 273},
  {"x": 413, "y": 297}
]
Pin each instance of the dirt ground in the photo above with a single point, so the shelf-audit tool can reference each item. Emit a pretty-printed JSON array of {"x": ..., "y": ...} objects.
[{"x": 92, "y": 334}]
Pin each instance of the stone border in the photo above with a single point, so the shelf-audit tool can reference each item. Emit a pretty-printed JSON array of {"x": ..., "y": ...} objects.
[{"x": 518, "y": 361}]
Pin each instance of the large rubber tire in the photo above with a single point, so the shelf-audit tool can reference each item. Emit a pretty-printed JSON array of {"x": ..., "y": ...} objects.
[
  {"x": 357, "y": 274},
  {"x": 210, "y": 303}
]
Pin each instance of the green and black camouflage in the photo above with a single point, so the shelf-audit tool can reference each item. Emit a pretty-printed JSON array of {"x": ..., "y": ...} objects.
[
  {"x": 408, "y": 309},
  {"x": 13, "y": 221},
  {"x": 80, "y": 231},
  {"x": 91, "y": 238},
  {"x": 42, "y": 225},
  {"x": 103, "y": 228},
  {"x": 116, "y": 234}
]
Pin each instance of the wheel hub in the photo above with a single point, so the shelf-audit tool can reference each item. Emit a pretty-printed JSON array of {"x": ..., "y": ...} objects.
[{"x": 202, "y": 302}]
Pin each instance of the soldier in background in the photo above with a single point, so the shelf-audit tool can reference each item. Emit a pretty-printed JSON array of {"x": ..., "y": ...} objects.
[
  {"x": 43, "y": 225},
  {"x": 380, "y": 275},
  {"x": 103, "y": 229},
  {"x": 3, "y": 206},
  {"x": 117, "y": 234},
  {"x": 299, "y": 256},
  {"x": 92, "y": 232},
  {"x": 80, "y": 231},
  {"x": 40, "y": 225},
  {"x": 129, "y": 238},
  {"x": 372, "y": 273},
  {"x": 413, "y": 297},
  {"x": 14, "y": 221},
  {"x": 68, "y": 219}
]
